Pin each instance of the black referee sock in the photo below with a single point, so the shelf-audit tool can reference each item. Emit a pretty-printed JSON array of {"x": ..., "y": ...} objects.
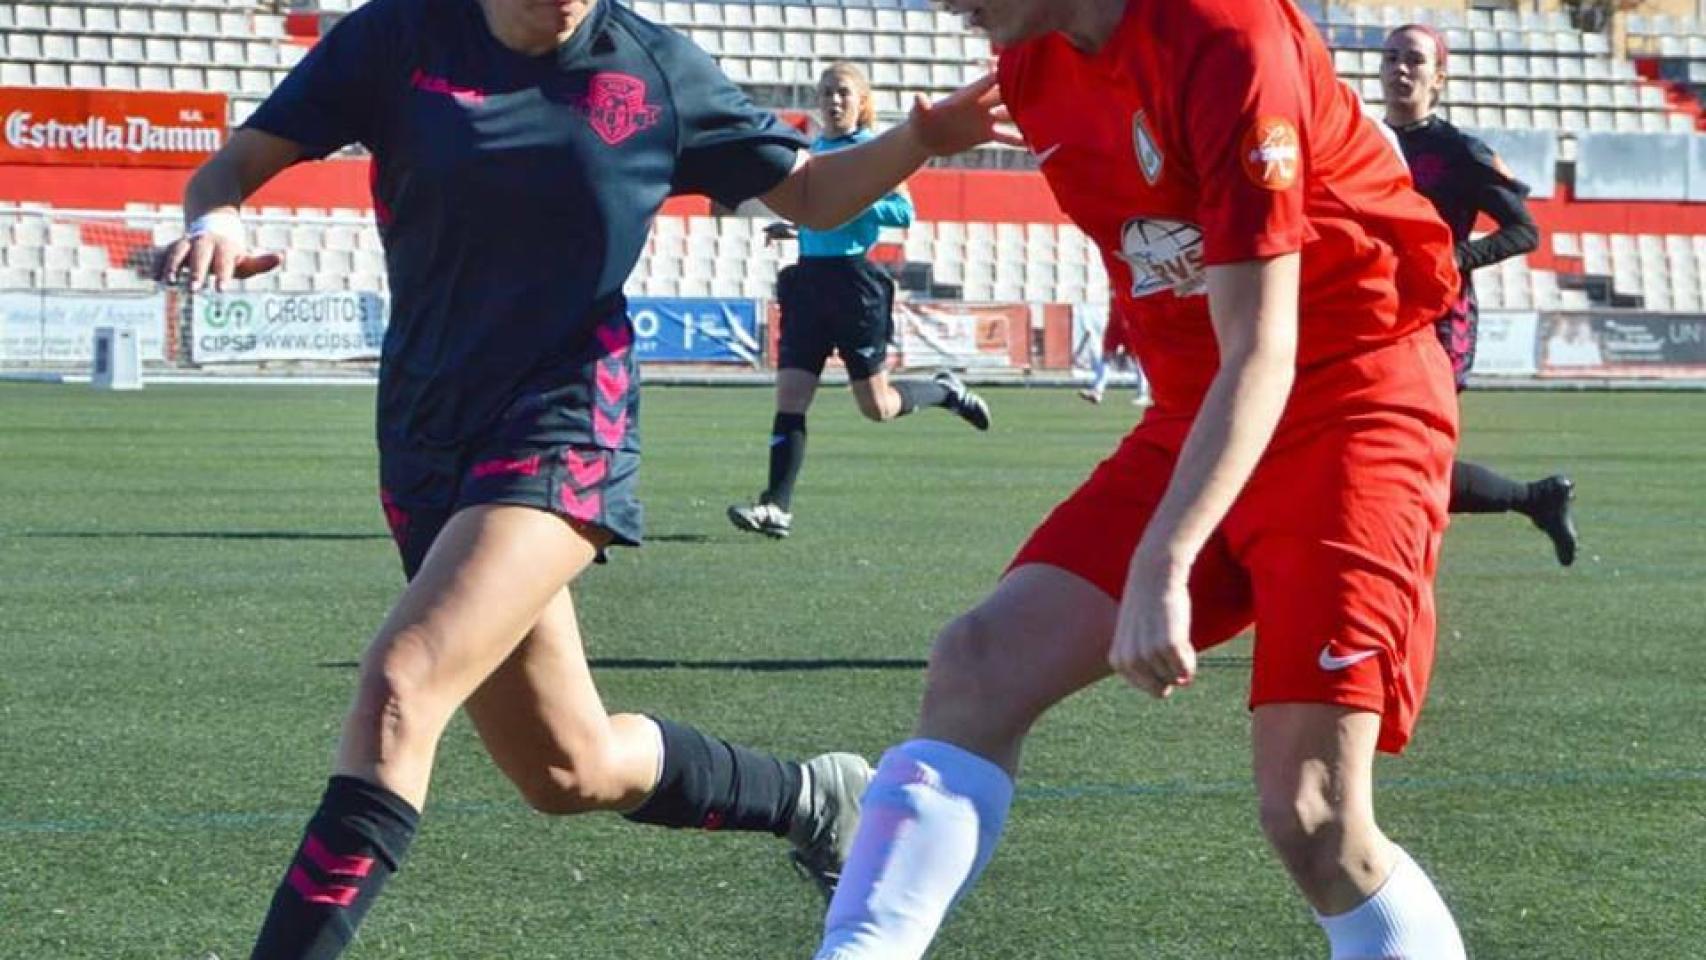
[
  {"x": 355, "y": 841},
  {"x": 920, "y": 393},
  {"x": 1476, "y": 489},
  {"x": 711, "y": 784},
  {"x": 787, "y": 455}
]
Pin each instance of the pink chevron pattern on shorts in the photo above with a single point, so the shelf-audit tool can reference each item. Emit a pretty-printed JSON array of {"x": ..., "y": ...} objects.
[
  {"x": 586, "y": 505},
  {"x": 525, "y": 467},
  {"x": 584, "y": 471},
  {"x": 610, "y": 430},
  {"x": 613, "y": 384},
  {"x": 616, "y": 339}
]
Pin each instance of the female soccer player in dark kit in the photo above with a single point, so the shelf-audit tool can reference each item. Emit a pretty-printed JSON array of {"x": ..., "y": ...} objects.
[
  {"x": 1464, "y": 178},
  {"x": 520, "y": 150}
]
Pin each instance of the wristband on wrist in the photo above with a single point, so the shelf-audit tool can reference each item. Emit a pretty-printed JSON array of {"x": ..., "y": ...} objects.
[{"x": 219, "y": 223}]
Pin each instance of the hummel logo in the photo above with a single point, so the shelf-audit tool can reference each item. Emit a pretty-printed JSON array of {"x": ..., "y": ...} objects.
[
  {"x": 1043, "y": 155},
  {"x": 1333, "y": 664}
]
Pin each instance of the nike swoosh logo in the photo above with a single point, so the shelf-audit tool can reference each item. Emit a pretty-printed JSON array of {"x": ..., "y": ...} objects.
[
  {"x": 1043, "y": 155},
  {"x": 1333, "y": 664}
]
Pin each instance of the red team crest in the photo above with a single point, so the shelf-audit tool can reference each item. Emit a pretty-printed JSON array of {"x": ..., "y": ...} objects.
[
  {"x": 1272, "y": 153},
  {"x": 616, "y": 108}
]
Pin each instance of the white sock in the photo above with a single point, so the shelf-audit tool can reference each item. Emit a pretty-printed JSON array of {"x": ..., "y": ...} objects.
[
  {"x": 1404, "y": 920},
  {"x": 929, "y": 823}
]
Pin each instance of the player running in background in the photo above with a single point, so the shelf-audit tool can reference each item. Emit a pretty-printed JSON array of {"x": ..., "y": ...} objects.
[
  {"x": 835, "y": 299},
  {"x": 1282, "y": 279},
  {"x": 521, "y": 150},
  {"x": 1464, "y": 178},
  {"x": 1113, "y": 351}
]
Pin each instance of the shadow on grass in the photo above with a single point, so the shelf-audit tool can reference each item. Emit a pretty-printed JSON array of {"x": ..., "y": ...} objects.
[
  {"x": 763, "y": 665},
  {"x": 267, "y": 535},
  {"x": 190, "y": 535}
]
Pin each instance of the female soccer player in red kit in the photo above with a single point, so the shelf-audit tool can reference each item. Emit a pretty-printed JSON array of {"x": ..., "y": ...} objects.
[{"x": 1281, "y": 279}]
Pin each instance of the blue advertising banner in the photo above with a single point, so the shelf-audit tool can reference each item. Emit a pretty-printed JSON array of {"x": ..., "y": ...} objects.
[{"x": 696, "y": 331}]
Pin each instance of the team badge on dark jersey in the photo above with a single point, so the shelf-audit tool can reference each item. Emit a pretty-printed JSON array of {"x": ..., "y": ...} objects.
[{"x": 615, "y": 105}]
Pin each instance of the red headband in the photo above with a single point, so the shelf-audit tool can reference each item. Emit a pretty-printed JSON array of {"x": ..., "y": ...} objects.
[{"x": 1441, "y": 51}]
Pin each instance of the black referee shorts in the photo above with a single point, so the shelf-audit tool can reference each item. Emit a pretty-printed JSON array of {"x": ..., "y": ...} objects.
[{"x": 844, "y": 304}]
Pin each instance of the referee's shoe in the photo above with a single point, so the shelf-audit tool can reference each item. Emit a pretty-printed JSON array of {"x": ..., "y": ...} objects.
[
  {"x": 763, "y": 517},
  {"x": 965, "y": 404}
]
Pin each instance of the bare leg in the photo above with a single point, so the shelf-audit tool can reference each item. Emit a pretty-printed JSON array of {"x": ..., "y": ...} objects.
[
  {"x": 542, "y": 720},
  {"x": 1040, "y": 637},
  {"x": 488, "y": 578},
  {"x": 484, "y": 584},
  {"x": 876, "y": 398},
  {"x": 1314, "y": 766}
]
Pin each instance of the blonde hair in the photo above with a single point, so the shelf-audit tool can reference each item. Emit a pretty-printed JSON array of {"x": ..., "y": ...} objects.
[{"x": 856, "y": 78}]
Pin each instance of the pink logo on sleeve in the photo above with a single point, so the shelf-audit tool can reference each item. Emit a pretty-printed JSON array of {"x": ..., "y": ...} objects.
[{"x": 616, "y": 108}]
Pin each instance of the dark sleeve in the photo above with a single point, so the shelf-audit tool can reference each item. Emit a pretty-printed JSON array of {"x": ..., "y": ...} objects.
[
  {"x": 335, "y": 95},
  {"x": 730, "y": 150},
  {"x": 1500, "y": 195}
]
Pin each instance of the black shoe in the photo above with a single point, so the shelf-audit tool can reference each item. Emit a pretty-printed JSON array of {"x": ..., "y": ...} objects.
[
  {"x": 965, "y": 404},
  {"x": 1551, "y": 513}
]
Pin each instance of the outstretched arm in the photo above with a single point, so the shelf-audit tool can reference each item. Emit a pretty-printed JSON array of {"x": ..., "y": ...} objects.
[{"x": 827, "y": 190}]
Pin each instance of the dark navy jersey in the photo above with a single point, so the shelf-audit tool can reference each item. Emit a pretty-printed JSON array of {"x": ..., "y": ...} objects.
[
  {"x": 1465, "y": 178},
  {"x": 514, "y": 192}
]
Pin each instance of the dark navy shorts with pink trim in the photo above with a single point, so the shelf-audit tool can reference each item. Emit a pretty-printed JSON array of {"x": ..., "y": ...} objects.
[
  {"x": 1458, "y": 331},
  {"x": 572, "y": 450}
]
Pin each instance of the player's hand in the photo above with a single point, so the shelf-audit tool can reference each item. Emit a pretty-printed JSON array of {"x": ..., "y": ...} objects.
[
  {"x": 969, "y": 117},
  {"x": 214, "y": 249},
  {"x": 1152, "y": 636}
]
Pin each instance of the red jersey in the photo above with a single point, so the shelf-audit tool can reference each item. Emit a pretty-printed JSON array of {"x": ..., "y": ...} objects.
[{"x": 1210, "y": 132}]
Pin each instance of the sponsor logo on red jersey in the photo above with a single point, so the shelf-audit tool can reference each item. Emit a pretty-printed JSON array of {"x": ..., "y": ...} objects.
[
  {"x": 1273, "y": 154},
  {"x": 1163, "y": 255}
]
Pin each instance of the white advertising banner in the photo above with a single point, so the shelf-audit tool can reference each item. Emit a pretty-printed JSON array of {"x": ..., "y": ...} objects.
[
  {"x": 37, "y": 327},
  {"x": 1506, "y": 344},
  {"x": 250, "y": 327},
  {"x": 963, "y": 336}
]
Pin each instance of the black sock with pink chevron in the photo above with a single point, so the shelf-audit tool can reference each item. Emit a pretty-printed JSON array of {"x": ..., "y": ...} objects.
[{"x": 355, "y": 841}]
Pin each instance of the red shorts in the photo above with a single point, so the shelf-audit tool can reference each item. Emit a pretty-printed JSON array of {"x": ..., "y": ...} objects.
[{"x": 1330, "y": 551}]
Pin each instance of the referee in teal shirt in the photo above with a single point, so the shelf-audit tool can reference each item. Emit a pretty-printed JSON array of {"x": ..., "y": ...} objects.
[{"x": 835, "y": 299}]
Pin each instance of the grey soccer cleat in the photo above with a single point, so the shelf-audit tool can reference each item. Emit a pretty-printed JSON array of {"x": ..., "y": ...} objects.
[
  {"x": 965, "y": 404},
  {"x": 828, "y": 816},
  {"x": 762, "y": 517},
  {"x": 1552, "y": 514}
]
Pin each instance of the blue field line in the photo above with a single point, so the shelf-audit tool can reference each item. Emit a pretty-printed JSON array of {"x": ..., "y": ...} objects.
[{"x": 1531, "y": 780}]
